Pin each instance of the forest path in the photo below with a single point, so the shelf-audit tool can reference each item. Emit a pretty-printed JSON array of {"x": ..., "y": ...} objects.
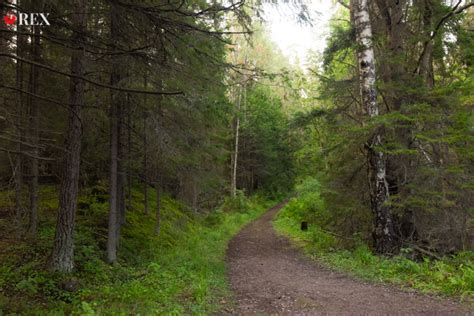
[{"x": 270, "y": 276}]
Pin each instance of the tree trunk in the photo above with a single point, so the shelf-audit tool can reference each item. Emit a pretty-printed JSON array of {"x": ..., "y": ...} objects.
[
  {"x": 158, "y": 205},
  {"x": 384, "y": 233},
  {"x": 233, "y": 188},
  {"x": 114, "y": 206},
  {"x": 112, "y": 227},
  {"x": 395, "y": 76},
  {"x": 129, "y": 156},
  {"x": 63, "y": 249},
  {"x": 34, "y": 128},
  {"x": 145, "y": 150},
  {"x": 19, "y": 129},
  {"x": 159, "y": 174},
  {"x": 120, "y": 173},
  {"x": 195, "y": 199},
  {"x": 426, "y": 61}
]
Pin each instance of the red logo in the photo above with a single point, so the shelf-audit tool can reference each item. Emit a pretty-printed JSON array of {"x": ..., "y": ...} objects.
[
  {"x": 9, "y": 19},
  {"x": 27, "y": 19}
]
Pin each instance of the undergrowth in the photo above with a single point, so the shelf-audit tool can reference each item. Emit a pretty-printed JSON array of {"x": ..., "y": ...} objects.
[
  {"x": 180, "y": 271},
  {"x": 452, "y": 275}
]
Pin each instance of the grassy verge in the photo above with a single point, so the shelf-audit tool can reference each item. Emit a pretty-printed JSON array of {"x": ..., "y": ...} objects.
[
  {"x": 452, "y": 276},
  {"x": 181, "y": 271}
]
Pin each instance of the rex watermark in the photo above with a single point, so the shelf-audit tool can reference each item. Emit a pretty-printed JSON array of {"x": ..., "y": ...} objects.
[{"x": 26, "y": 19}]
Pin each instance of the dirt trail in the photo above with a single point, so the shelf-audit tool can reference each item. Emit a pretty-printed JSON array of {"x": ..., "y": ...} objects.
[{"x": 269, "y": 276}]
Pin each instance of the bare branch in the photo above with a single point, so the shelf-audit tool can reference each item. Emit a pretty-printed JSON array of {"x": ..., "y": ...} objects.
[
  {"x": 102, "y": 85},
  {"x": 455, "y": 10},
  {"x": 343, "y": 4},
  {"x": 26, "y": 154}
]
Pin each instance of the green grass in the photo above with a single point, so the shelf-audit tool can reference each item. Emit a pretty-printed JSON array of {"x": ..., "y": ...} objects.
[
  {"x": 181, "y": 271},
  {"x": 452, "y": 276}
]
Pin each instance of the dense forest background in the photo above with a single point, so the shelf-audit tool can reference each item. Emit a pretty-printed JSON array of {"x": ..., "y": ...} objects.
[{"x": 133, "y": 133}]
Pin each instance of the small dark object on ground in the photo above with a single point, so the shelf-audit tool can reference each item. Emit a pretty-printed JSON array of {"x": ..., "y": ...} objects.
[
  {"x": 69, "y": 285},
  {"x": 304, "y": 226},
  {"x": 271, "y": 276}
]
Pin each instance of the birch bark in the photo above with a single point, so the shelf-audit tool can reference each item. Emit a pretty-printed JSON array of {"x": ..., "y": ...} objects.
[{"x": 384, "y": 233}]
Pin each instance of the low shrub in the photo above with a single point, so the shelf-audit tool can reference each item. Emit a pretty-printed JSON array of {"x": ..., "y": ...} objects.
[{"x": 452, "y": 275}]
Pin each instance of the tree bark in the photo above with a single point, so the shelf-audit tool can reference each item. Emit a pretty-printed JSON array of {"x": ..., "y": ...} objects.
[
  {"x": 426, "y": 60},
  {"x": 19, "y": 129},
  {"x": 34, "y": 129},
  {"x": 120, "y": 173},
  {"x": 159, "y": 174},
  {"x": 384, "y": 233},
  {"x": 233, "y": 188},
  {"x": 112, "y": 240},
  {"x": 158, "y": 205},
  {"x": 195, "y": 199},
  {"x": 145, "y": 150},
  {"x": 129, "y": 156},
  {"x": 112, "y": 227},
  {"x": 62, "y": 257}
]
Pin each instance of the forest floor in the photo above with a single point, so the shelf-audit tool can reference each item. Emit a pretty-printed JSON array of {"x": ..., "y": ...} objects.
[{"x": 269, "y": 275}]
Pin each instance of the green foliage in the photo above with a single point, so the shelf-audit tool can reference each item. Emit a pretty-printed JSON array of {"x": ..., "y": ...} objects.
[
  {"x": 308, "y": 206},
  {"x": 178, "y": 279},
  {"x": 265, "y": 151},
  {"x": 156, "y": 274},
  {"x": 238, "y": 203},
  {"x": 340, "y": 45},
  {"x": 453, "y": 275},
  {"x": 425, "y": 125}
]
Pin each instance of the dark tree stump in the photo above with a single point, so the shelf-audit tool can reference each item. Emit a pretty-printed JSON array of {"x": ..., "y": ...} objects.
[{"x": 304, "y": 226}]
